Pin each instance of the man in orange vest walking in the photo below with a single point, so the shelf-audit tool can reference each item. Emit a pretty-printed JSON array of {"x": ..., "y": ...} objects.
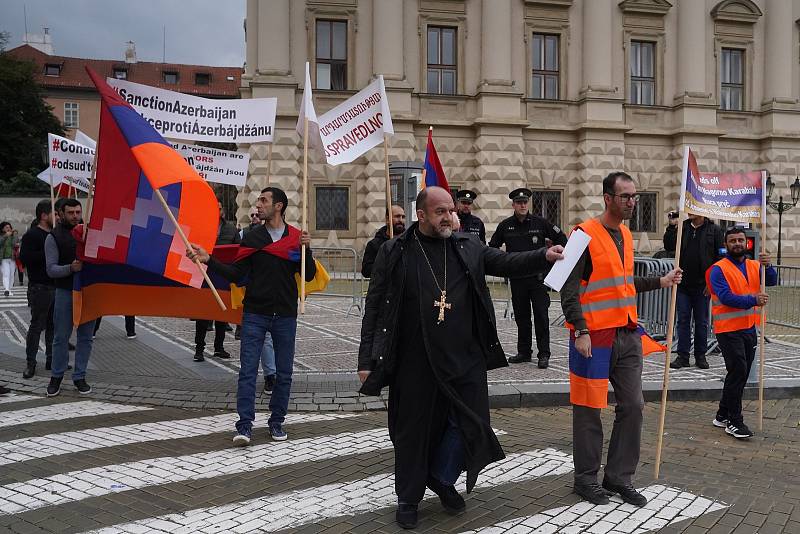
[
  {"x": 599, "y": 303},
  {"x": 736, "y": 298}
]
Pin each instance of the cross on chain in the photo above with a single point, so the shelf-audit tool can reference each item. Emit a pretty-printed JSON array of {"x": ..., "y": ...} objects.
[{"x": 442, "y": 304}]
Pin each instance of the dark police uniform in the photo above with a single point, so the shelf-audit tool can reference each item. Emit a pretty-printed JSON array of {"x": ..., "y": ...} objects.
[
  {"x": 530, "y": 234},
  {"x": 469, "y": 222}
]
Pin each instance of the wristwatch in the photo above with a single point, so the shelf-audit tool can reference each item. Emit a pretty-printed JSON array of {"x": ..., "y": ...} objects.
[{"x": 582, "y": 332}]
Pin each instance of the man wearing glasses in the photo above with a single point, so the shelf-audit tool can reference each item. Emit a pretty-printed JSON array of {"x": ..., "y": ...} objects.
[
  {"x": 520, "y": 232},
  {"x": 599, "y": 304}
]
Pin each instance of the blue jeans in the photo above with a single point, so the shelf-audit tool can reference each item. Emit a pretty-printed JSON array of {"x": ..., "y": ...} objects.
[
  {"x": 268, "y": 356},
  {"x": 254, "y": 330},
  {"x": 449, "y": 458},
  {"x": 62, "y": 326},
  {"x": 692, "y": 305}
]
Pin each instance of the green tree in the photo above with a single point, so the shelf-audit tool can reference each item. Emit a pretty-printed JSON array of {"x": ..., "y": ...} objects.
[{"x": 25, "y": 121}]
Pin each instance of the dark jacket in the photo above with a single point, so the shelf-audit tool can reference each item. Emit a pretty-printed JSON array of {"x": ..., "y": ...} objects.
[
  {"x": 670, "y": 238},
  {"x": 377, "y": 352},
  {"x": 227, "y": 234},
  {"x": 472, "y": 225},
  {"x": 31, "y": 253},
  {"x": 530, "y": 234},
  {"x": 371, "y": 250},
  {"x": 712, "y": 241}
]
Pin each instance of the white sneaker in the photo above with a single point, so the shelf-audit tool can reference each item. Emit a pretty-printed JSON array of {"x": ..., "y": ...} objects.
[{"x": 241, "y": 439}]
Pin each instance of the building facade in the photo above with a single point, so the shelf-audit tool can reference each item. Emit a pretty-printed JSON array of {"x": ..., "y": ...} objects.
[{"x": 548, "y": 94}]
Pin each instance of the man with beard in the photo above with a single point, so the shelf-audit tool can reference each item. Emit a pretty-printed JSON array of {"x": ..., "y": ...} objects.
[
  {"x": 599, "y": 303},
  {"x": 736, "y": 295},
  {"x": 398, "y": 222},
  {"x": 469, "y": 222},
  {"x": 429, "y": 333}
]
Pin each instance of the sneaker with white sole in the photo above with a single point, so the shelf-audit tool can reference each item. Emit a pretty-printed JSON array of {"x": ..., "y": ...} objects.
[
  {"x": 242, "y": 438},
  {"x": 276, "y": 432},
  {"x": 720, "y": 423},
  {"x": 82, "y": 387},
  {"x": 739, "y": 431}
]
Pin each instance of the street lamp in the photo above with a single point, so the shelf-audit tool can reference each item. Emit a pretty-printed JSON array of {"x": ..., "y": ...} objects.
[{"x": 780, "y": 207}]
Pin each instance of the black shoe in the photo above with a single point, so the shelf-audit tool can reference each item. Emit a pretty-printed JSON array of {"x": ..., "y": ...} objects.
[
  {"x": 680, "y": 361},
  {"x": 452, "y": 502},
  {"x": 544, "y": 361},
  {"x": 701, "y": 362},
  {"x": 269, "y": 383},
  {"x": 70, "y": 346},
  {"x": 29, "y": 371},
  {"x": 6, "y": 293},
  {"x": 228, "y": 328},
  {"x": 222, "y": 354},
  {"x": 519, "y": 358},
  {"x": 82, "y": 387},
  {"x": 592, "y": 493},
  {"x": 406, "y": 515},
  {"x": 739, "y": 431},
  {"x": 4, "y": 390},
  {"x": 627, "y": 492},
  {"x": 54, "y": 387},
  {"x": 198, "y": 356}
]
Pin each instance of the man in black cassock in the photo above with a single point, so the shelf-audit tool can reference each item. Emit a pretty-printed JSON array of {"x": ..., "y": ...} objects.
[{"x": 429, "y": 333}]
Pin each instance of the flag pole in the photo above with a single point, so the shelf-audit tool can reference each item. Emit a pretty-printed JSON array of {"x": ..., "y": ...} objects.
[
  {"x": 189, "y": 247},
  {"x": 52, "y": 199},
  {"x": 388, "y": 186},
  {"x": 762, "y": 335},
  {"x": 305, "y": 217},
  {"x": 91, "y": 192},
  {"x": 670, "y": 331}
]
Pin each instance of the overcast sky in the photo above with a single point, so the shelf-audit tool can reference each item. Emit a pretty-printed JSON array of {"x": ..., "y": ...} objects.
[{"x": 202, "y": 32}]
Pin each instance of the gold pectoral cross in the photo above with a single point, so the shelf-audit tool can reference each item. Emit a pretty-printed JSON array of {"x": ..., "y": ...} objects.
[{"x": 442, "y": 304}]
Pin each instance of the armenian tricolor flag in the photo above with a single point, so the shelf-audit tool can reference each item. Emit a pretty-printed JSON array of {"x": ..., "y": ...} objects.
[
  {"x": 434, "y": 174},
  {"x": 128, "y": 224}
]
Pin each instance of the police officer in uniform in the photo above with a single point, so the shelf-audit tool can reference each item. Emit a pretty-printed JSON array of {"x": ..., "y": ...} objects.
[
  {"x": 469, "y": 222},
  {"x": 520, "y": 232}
]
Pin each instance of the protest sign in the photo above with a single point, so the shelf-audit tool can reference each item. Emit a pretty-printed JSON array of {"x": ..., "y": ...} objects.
[
  {"x": 193, "y": 118},
  {"x": 214, "y": 164},
  {"x": 70, "y": 163},
  {"x": 356, "y": 125}
]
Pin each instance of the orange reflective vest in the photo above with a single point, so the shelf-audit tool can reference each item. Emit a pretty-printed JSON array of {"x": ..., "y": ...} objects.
[
  {"x": 608, "y": 298},
  {"x": 726, "y": 318}
]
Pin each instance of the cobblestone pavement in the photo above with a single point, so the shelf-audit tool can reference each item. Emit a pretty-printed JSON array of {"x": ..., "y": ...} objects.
[{"x": 114, "y": 467}]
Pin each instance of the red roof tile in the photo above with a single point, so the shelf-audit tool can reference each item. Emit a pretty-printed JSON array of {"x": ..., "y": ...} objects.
[{"x": 224, "y": 82}]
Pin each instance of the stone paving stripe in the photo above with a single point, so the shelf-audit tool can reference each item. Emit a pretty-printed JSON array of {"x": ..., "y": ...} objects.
[
  {"x": 17, "y": 398},
  {"x": 65, "y": 410},
  {"x": 24, "y": 449},
  {"x": 302, "y": 507},
  {"x": 665, "y": 506}
]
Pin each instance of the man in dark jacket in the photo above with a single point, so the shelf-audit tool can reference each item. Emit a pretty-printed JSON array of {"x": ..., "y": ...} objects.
[
  {"x": 382, "y": 236},
  {"x": 469, "y": 222},
  {"x": 226, "y": 235},
  {"x": 702, "y": 245},
  {"x": 429, "y": 333}
]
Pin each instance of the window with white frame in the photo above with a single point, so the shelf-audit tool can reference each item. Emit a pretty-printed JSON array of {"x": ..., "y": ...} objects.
[
  {"x": 731, "y": 94},
  {"x": 331, "y": 54},
  {"x": 332, "y": 208},
  {"x": 120, "y": 74},
  {"x": 442, "y": 73},
  {"x": 71, "y": 115},
  {"x": 645, "y": 213},
  {"x": 643, "y": 77},
  {"x": 545, "y": 68}
]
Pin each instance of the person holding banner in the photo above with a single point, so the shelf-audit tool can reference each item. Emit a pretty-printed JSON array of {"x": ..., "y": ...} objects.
[
  {"x": 398, "y": 222},
  {"x": 736, "y": 296},
  {"x": 599, "y": 303},
  {"x": 429, "y": 333}
]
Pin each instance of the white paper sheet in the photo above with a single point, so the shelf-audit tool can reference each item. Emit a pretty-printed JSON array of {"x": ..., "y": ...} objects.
[{"x": 577, "y": 243}]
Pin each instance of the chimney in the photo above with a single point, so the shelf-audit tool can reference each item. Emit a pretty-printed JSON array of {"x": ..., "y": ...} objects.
[
  {"x": 42, "y": 43},
  {"x": 130, "y": 52}
]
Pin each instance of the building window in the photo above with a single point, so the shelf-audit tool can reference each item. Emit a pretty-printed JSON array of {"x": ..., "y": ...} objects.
[
  {"x": 52, "y": 69},
  {"x": 442, "y": 72},
  {"x": 732, "y": 76},
  {"x": 333, "y": 208},
  {"x": 70, "y": 114},
  {"x": 644, "y": 214},
  {"x": 202, "y": 78},
  {"x": 121, "y": 74},
  {"x": 545, "y": 66},
  {"x": 643, "y": 78},
  {"x": 332, "y": 55},
  {"x": 547, "y": 204},
  {"x": 170, "y": 77}
]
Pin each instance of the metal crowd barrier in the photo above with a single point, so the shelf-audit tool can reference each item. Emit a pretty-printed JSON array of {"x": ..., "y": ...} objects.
[
  {"x": 653, "y": 306},
  {"x": 344, "y": 268},
  {"x": 784, "y": 298},
  {"x": 500, "y": 290}
]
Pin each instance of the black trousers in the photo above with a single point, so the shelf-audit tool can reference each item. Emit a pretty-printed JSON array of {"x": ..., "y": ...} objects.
[
  {"x": 524, "y": 293},
  {"x": 738, "y": 350},
  {"x": 200, "y": 329},
  {"x": 130, "y": 324},
  {"x": 41, "y": 298}
]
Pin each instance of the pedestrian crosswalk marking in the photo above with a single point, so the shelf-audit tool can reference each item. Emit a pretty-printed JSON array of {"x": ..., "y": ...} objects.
[
  {"x": 297, "y": 508},
  {"x": 665, "y": 506},
  {"x": 65, "y": 410},
  {"x": 17, "y": 398},
  {"x": 20, "y": 450}
]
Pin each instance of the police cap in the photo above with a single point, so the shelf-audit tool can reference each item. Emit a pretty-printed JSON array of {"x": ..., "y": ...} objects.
[
  {"x": 523, "y": 193},
  {"x": 466, "y": 194}
]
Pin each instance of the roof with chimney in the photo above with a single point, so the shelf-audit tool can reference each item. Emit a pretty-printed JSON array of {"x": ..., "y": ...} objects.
[{"x": 62, "y": 72}]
